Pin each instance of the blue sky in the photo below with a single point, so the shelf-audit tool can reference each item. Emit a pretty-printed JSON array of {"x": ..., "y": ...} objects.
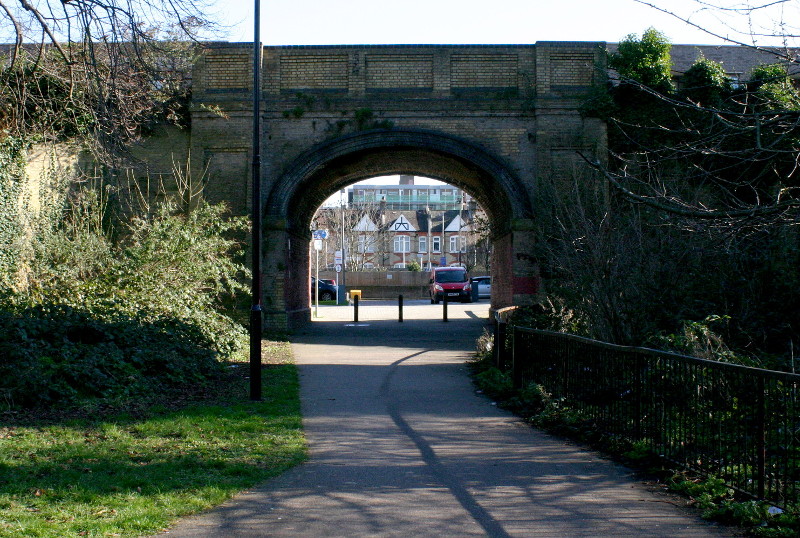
[{"x": 325, "y": 22}]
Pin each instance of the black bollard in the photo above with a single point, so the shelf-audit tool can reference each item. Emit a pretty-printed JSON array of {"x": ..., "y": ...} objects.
[
  {"x": 355, "y": 309},
  {"x": 444, "y": 307},
  {"x": 400, "y": 306}
]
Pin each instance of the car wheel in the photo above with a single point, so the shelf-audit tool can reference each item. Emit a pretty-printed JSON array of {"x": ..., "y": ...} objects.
[{"x": 326, "y": 296}]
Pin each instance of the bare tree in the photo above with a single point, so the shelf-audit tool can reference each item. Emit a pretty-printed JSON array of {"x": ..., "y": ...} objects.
[
  {"x": 363, "y": 232},
  {"x": 772, "y": 26},
  {"x": 704, "y": 201},
  {"x": 712, "y": 154},
  {"x": 102, "y": 70}
]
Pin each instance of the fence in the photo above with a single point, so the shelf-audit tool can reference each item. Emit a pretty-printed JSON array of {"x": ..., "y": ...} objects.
[{"x": 734, "y": 422}]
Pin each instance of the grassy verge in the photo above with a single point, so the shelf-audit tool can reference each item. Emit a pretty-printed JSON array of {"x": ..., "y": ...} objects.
[{"x": 105, "y": 472}]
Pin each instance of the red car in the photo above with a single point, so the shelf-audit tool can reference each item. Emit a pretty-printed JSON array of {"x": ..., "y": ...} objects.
[{"x": 451, "y": 283}]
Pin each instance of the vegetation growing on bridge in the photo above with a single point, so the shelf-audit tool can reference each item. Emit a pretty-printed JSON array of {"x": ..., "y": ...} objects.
[{"x": 698, "y": 226}]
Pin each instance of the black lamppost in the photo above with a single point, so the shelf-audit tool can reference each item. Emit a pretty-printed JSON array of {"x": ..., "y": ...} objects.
[{"x": 255, "y": 310}]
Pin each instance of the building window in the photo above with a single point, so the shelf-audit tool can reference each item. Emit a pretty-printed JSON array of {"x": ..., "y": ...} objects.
[
  {"x": 399, "y": 266},
  {"x": 402, "y": 243},
  {"x": 456, "y": 242},
  {"x": 369, "y": 265},
  {"x": 422, "y": 244},
  {"x": 437, "y": 244}
]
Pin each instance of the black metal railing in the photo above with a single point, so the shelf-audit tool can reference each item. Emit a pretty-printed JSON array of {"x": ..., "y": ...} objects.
[{"x": 737, "y": 423}]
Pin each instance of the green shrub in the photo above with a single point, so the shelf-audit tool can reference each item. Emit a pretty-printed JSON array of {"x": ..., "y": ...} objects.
[
  {"x": 494, "y": 383},
  {"x": 55, "y": 354},
  {"x": 113, "y": 317},
  {"x": 530, "y": 400},
  {"x": 699, "y": 339}
]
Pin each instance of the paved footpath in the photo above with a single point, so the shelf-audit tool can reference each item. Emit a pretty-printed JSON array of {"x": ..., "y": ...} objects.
[{"x": 400, "y": 445}]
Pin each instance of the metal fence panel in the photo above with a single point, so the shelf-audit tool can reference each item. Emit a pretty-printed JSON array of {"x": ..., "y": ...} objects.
[{"x": 734, "y": 422}]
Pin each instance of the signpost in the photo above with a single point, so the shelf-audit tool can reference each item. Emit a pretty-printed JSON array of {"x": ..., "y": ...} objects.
[{"x": 319, "y": 236}]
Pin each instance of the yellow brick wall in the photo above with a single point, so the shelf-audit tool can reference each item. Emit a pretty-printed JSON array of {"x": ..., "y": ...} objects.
[
  {"x": 313, "y": 72},
  {"x": 399, "y": 71},
  {"x": 228, "y": 72},
  {"x": 483, "y": 70},
  {"x": 571, "y": 68}
]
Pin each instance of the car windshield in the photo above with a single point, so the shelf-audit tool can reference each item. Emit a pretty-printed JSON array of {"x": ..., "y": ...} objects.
[{"x": 451, "y": 276}]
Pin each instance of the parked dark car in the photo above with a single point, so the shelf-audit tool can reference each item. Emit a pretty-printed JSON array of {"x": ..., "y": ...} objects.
[{"x": 327, "y": 292}]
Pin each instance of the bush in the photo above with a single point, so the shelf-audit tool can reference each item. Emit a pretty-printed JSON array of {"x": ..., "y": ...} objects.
[
  {"x": 114, "y": 316},
  {"x": 55, "y": 354}
]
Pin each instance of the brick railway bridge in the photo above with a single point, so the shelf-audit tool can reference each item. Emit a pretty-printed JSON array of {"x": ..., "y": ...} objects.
[{"x": 494, "y": 120}]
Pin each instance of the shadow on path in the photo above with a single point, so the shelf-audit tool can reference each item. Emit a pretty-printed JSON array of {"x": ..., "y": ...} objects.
[{"x": 400, "y": 445}]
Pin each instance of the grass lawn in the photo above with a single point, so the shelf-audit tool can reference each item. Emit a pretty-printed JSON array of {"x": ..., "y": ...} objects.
[{"x": 110, "y": 473}]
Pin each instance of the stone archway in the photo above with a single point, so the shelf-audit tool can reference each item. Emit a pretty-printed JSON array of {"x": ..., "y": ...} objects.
[
  {"x": 499, "y": 121},
  {"x": 332, "y": 165}
]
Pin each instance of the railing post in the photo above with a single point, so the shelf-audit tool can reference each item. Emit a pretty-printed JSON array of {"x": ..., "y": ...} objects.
[
  {"x": 502, "y": 355},
  {"x": 496, "y": 343},
  {"x": 355, "y": 309},
  {"x": 516, "y": 362},
  {"x": 761, "y": 437},
  {"x": 400, "y": 307},
  {"x": 638, "y": 391},
  {"x": 444, "y": 307}
]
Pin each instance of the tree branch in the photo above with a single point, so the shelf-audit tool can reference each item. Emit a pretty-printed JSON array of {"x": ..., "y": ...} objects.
[
  {"x": 46, "y": 29},
  {"x": 703, "y": 214},
  {"x": 726, "y": 38},
  {"x": 17, "y": 33}
]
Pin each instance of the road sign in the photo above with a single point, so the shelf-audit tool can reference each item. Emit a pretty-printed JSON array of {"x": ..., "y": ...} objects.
[
  {"x": 337, "y": 257},
  {"x": 338, "y": 268},
  {"x": 317, "y": 244},
  {"x": 320, "y": 234}
]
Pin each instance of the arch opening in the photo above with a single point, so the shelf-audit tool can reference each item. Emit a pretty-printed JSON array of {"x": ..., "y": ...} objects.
[
  {"x": 395, "y": 230},
  {"x": 321, "y": 172}
]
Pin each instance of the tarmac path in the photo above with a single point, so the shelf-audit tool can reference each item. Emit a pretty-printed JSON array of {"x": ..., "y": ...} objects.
[{"x": 401, "y": 445}]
